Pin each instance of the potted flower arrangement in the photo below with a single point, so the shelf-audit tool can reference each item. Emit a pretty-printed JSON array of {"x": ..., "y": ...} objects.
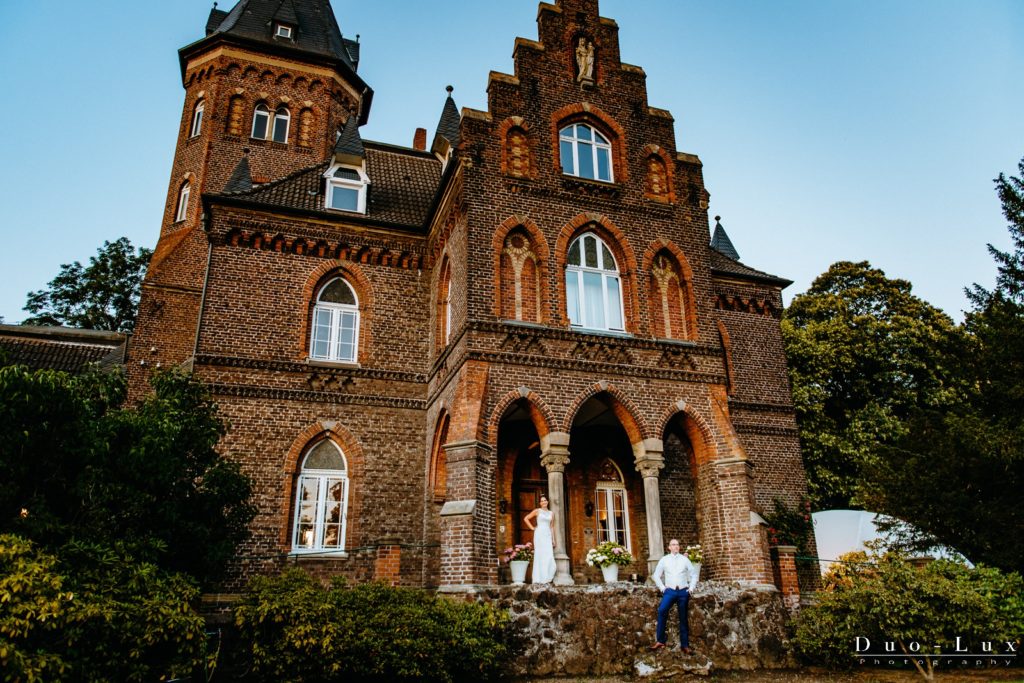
[
  {"x": 518, "y": 559},
  {"x": 609, "y": 556},
  {"x": 695, "y": 554}
]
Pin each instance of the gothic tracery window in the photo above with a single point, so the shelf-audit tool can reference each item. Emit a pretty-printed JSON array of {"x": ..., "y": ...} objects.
[{"x": 520, "y": 279}]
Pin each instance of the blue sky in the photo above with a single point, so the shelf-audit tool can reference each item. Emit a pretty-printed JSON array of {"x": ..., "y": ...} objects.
[{"x": 828, "y": 130}]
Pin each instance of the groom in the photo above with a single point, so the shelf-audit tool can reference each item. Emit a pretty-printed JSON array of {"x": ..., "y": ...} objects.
[{"x": 676, "y": 579}]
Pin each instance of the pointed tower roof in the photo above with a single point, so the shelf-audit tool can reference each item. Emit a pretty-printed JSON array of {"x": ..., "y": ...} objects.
[
  {"x": 241, "y": 177},
  {"x": 721, "y": 243},
  {"x": 349, "y": 147},
  {"x": 285, "y": 14},
  {"x": 448, "y": 125}
]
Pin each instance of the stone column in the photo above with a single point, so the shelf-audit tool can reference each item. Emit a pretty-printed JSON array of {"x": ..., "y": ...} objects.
[
  {"x": 554, "y": 457},
  {"x": 649, "y": 461}
]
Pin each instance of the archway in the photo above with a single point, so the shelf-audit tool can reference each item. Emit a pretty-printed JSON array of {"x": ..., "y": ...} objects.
[
  {"x": 680, "y": 512},
  {"x": 520, "y": 479},
  {"x": 604, "y": 493}
]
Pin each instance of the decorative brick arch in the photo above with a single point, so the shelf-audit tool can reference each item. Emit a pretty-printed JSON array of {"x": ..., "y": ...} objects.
[
  {"x": 584, "y": 112},
  {"x": 622, "y": 406},
  {"x": 437, "y": 476},
  {"x": 354, "y": 459},
  {"x": 621, "y": 250},
  {"x": 540, "y": 248},
  {"x": 685, "y": 273},
  {"x": 364, "y": 293},
  {"x": 502, "y": 132},
  {"x": 661, "y": 153},
  {"x": 696, "y": 427},
  {"x": 540, "y": 413}
]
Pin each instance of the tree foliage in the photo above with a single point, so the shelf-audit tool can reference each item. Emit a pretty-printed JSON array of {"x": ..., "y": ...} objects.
[
  {"x": 957, "y": 473},
  {"x": 101, "y": 296},
  {"x": 78, "y": 466},
  {"x": 864, "y": 353},
  {"x": 886, "y": 598},
  {"x": 293, "y": 628},
  {"x": 94, "y": 614}
]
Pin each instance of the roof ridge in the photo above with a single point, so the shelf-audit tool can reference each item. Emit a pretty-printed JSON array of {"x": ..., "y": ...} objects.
[{"x": 276, "y": 181}]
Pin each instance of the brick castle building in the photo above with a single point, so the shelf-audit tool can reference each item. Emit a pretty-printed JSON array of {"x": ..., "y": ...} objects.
[{"x": 411, "y": 344}]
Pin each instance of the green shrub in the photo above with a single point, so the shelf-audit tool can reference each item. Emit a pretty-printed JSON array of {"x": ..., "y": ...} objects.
[
  {"x": 93, "y": 614},
  {"x": 889, "y": 599},
  {"x": 293, "y": 628}
]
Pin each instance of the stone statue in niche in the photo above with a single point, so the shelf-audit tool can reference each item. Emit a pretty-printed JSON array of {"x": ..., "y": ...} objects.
[{"x": 585, "y": 61}]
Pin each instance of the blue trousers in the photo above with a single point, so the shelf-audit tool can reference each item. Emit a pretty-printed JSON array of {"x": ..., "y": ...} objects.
[{"x": 681, "y": 598}]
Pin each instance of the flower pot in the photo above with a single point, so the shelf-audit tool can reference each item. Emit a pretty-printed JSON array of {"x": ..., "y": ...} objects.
[
  {"x": 696, "y": 571},
  {"x": 611, "y": 573},
  {"x": 518, "y": 568}
]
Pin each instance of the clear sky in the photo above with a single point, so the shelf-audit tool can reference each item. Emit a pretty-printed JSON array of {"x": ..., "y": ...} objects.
[{"x": 829, "y": 130}]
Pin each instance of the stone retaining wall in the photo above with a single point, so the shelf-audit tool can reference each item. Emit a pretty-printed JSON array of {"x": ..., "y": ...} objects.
[{"x": 608, "y": 629}]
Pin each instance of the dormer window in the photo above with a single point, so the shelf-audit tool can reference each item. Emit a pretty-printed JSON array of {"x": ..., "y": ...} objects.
[
  {"x": 346, "y": 188},
  {"x": 283, "y": 31}
]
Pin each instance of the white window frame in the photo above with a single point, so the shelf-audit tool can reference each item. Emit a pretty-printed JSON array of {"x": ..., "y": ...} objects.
[
  {"x": 283, "y": 31},
  {"x": 197, "y": 118},
  {"x": 261, "y": 110},
  {"x": 598, "y": 141},
  {"x": 323, "y": 479},
  {"x": 336, "y": 314},
  {"x": 281, "y": 113},
  {"x": 181, "y": 212},
  {"x": 604, "y": 499},
  {"x": 609, "y": 302},
  {"x": 360, "y": 186}
]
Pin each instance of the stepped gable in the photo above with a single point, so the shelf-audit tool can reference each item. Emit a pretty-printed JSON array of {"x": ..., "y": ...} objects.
[{"x": 403, "y": 183}]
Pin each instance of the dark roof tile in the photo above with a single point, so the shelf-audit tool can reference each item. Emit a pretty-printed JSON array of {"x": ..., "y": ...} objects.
[
  {"x": 61, "y": 348},
  {"x": 722, "y": 264},
  {"x": 241, "y": 177}
]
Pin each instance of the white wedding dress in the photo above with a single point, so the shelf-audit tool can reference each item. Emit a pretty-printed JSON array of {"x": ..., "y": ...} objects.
[{"x": 543, "y": 551}]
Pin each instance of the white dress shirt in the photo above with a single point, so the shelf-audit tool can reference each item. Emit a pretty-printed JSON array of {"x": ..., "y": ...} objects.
[{"x": 677, "y": 571}]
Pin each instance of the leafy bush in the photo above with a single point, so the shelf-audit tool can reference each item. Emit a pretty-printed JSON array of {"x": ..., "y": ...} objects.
[
  {"x": 293, "y": 628},
  {"x": 147, "y": 476},
  {"x": 889, "y": 599},
  {"x": 93, "y": 614}
]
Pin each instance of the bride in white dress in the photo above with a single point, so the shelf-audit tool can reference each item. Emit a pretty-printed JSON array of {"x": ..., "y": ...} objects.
[{"x": 543, "y": 542}]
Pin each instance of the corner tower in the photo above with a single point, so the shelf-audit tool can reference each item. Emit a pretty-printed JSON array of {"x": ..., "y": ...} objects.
[{"x": 267, "y": 90}]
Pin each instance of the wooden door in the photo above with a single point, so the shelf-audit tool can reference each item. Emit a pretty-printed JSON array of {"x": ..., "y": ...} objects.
[{"x": 527, "y": 499}]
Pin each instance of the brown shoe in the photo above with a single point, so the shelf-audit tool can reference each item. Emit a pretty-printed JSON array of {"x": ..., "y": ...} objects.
[
  {"x": 657, "y": 646},
  {"x": 687, "y": 651}
]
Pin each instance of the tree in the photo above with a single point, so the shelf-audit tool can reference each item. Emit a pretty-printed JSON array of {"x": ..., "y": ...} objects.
[
  {"x": 78, "y": 466},
  {"x": 957, "y": 473},
  {"x": 101, "y": 296},
  {"x": 863, "y": 352}
]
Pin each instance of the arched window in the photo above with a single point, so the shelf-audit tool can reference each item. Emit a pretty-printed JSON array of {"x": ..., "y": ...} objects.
[
  {"x": 281, "y": 121},
  {"x": 197, "y": 119},
  {"x": 321, "y": 500},
  {"x": 260, "y": 122},
  {"x": 585, "y": 152},
  {"x": 444, "y": 305},
  {"x": 610, "y": 505},
  {"x": 182, "y": 210},
  {"x": 335, "y": 323},
  {"x": 593, "y": 291}
]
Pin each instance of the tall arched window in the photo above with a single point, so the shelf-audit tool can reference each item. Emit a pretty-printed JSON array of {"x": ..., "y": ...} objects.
[
  {"x": 321, "y": 500},
  {"x": 610, "y": 505},
  {"x": 181, "y": 212},
  {"x": 335, "y": 323},
  {"x": 197, "y": 119},
  {"x": 593, "y": 291},
  {"x": 444, "y": 305},
  {"x": 585, "y": 152},
  {"x": 282, "y": 119},
  {"x": 260, "y": 122}
]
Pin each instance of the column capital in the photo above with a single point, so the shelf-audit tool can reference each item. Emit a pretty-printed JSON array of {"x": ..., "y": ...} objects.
[
  {"x": 649, "y": 467},
  {"x": 554, "y": 462},
  {"x": 554, "y": 454}
]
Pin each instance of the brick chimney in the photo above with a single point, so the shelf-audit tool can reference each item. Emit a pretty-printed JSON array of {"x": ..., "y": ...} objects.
[{"x": 419, "y": 141}]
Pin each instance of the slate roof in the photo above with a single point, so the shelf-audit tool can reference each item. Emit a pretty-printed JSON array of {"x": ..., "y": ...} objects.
[
  {"x": 316, "y": 28},
  {"x": 723, "y": 265},
  {"x": 448, "y": 125},
  {"x": 241, "y": 177},
  {"x": 350, "y": 143},
  {"x": 720, "y": 242},
  {"x": 403, "y": 183},
  {"x": 61, "y": 348}
]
